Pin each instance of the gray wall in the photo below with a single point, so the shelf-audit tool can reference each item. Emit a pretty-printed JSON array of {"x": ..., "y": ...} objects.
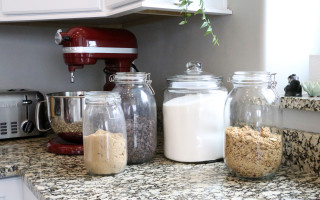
[
  {"x": 275, "y": 36},
  {"x": 30, "y": 59},
  {"x": 165, "y": 47}
]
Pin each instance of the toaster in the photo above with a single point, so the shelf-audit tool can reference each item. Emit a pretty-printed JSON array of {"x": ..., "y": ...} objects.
[{"x": 17, "y": 113}]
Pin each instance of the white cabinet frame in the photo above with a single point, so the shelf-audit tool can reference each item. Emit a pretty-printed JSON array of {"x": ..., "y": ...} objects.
[{"x": 42, "y": 10}]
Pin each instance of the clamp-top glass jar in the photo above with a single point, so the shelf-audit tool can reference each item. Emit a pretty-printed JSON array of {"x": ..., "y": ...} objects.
[
  {"x": 139, "y": 106},
  {"x": 193, "y": 116},
  {"x": 253, "y": 139},
  {"x": 104, "y": 134}
]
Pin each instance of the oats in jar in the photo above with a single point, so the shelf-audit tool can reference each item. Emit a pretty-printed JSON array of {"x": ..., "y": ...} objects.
[{"x": 252, "y": 154}]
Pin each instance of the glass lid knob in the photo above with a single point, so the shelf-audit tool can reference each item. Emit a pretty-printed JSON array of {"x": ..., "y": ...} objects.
[{"x": 194, "y": 67}]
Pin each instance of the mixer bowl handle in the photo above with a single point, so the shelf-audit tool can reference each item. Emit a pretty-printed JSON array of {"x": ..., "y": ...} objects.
[{"x": 37, "y": 117}]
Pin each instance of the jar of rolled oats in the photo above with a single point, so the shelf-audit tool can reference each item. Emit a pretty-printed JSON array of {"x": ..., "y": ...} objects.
[{"x": 253, "y": 139}]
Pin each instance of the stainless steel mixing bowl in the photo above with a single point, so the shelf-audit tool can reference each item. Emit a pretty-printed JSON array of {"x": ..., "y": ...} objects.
[{"x": 65, "y": 112}]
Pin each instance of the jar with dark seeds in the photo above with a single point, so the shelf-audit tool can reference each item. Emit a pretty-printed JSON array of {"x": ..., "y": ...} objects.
[
  {"x": 142, "y": 139},
  {"x": 139, "y": 107}
]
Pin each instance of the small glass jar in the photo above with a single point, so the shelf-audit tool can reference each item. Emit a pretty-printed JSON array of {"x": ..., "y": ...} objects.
[
  {"x": 253, "y": 139},
  {"x": 193, "y": 116},
  {"x": 140, "y": 111},
  {"x": 104, "y": 134}
]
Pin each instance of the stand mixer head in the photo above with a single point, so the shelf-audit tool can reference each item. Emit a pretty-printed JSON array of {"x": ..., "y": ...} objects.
[{"x": 85, "y": 45}]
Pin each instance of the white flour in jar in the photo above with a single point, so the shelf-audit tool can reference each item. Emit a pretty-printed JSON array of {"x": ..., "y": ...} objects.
[{"x": 194, "y": 127}]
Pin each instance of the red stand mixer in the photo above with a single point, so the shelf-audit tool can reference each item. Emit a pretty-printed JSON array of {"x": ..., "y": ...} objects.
[{"x": 84, "y": 46}]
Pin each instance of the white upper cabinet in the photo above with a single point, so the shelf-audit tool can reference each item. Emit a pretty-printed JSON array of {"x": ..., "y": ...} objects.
[
  {"x": 40, "y": 10},
  {"x": 117, "y": 3},
  {"x": 49, "y": 6}
]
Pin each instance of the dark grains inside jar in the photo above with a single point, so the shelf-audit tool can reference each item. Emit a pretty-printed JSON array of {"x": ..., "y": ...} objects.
[{"x": 142, "y": 139}]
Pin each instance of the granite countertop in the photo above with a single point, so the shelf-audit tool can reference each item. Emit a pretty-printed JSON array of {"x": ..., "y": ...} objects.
[
  {"x": 301, "y": 103},
  {"x": 51, "y": 176}
]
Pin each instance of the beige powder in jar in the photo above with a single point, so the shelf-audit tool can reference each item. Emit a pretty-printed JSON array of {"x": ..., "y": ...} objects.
[
  {"x": 252, "y": 154},
  {"x": 105, "y": 152}
]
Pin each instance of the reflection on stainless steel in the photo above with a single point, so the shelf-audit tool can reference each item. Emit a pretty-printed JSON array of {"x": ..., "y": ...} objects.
[
  {"x": 71, "y": 77},
  {"x": 65, "y": 114}
]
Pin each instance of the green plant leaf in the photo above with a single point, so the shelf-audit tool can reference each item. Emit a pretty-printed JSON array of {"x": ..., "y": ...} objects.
[
  {"x": 201, "y": 3},
  {"x": 207, "y": 33},
  {"x": 198, "y": 11},
  {"x": 203, "y": 16},
  {"x": 215, "y": 42},
  {"x": 183, "y": 3},
  {"x": 209, "y": 29},
  {"x": 204, "y": 24}
]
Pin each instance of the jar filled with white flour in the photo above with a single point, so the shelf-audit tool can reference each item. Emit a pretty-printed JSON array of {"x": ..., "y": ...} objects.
[{"x": 193, "y": 111}]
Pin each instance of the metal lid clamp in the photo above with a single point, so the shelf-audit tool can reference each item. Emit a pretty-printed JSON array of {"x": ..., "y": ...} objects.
[
  {"x": 149, "y": 81},
  {"x": 273, "y": 83}
]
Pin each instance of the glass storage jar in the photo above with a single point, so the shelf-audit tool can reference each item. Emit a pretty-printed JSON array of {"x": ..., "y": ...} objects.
[
  {"x": 193, "y": 116},
  {"x": 104, "y": 134},
  {"x": 140, "y": 111},
  {"x": 253, "y": 139}
]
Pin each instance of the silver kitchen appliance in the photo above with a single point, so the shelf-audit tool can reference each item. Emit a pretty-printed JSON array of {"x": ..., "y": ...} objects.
[
  {"x": 65, "y": 114},
  {"x": 17, "y": 113}
]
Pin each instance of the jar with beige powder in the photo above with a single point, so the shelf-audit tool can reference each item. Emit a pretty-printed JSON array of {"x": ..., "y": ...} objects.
[
  {"x": 253, "y": 139},
  {"x": 104, "y": 134}
]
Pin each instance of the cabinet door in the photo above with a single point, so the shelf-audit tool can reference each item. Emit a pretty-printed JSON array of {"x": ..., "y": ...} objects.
[
  {"x": 49, "y": 6},
  {"x": 14, "y": 188},
  {"x": 117, "y": 3},
  {"x": 11, "y": 188},
  {"x": 210, "y": 4}
]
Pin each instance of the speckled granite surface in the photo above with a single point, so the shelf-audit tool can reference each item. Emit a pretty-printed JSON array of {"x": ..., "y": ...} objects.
[
  {"x": 302, "y": 151},
  {"x": 301, "y": 103},
  {"x": 52, "y": 176}
]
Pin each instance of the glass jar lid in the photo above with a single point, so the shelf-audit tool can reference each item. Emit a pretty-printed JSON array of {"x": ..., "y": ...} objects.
[
  {"x": 130, "y": 77},
  {"x": 194, "y": 78},
  {"x": 251, "y": 77},
  {"x": 101, "y": 97}
]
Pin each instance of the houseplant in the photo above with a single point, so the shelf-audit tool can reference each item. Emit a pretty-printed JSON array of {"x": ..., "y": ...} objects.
[{"x": 184, "y": 4}]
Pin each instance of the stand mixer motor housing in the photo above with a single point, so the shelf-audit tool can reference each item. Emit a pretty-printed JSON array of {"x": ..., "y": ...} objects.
[{"x": 85, "y": 45}]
